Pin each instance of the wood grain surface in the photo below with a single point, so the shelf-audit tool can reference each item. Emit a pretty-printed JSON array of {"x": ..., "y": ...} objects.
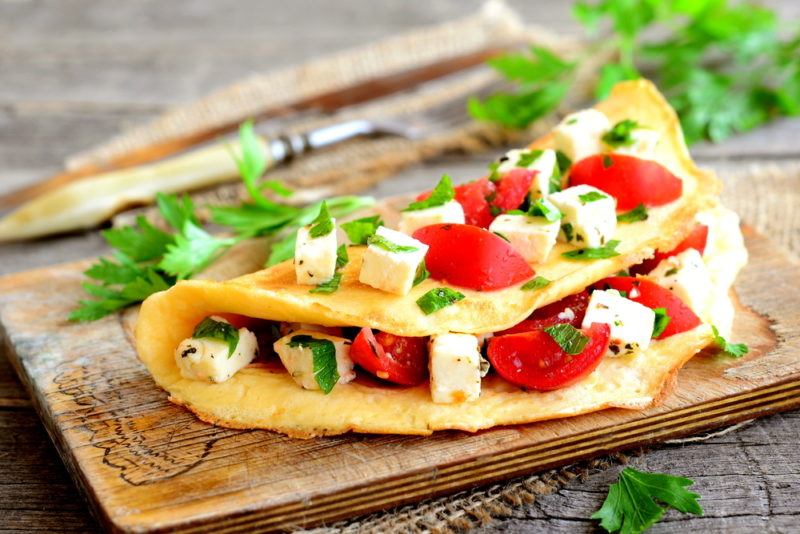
[{"x": 75, "y": 72}]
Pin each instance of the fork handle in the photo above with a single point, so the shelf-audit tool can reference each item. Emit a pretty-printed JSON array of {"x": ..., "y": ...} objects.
[{"x": 287, "y": 147}]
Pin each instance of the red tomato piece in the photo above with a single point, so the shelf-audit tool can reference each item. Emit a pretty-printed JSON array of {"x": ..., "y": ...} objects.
[
  {"x": 534, "y": 360},
  {"x": 549, "y": 315},
  {"x": 473, "y": 198},
  {"x": 512, "y": 189},
  {"x": 631, "y": 180},
  {"x": 471, "y": 257},
  {"x": 652, "y": 295},
  {"x": 696, "y": 239},
  {"x": 398, "y": 359}
]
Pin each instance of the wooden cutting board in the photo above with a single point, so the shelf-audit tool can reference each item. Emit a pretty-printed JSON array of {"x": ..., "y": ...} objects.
[{"x": 147, "y": 465}]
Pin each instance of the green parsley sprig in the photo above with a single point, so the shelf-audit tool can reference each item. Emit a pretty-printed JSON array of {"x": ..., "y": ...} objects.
[{"x": 725, "y": 66}]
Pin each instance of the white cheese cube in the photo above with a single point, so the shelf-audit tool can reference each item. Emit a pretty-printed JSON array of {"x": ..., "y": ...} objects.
[
  {"x": 299, "y": 359},
  {"x": 455, "y": 367},
  {"x": 532, "y": 237},
  {"x": 586, "y": 222},
  {"x": 392, "y": 271},
  {"x": 644, "y": 143},
  {"x": 631, "y": 323},
  {"x": 449, "y": 212},
  {"x": 544, "y": 163},
  {"x": 314, "y": 257},
  {"x": 208, "y": 359},
  {"x": 686, "y": 275},
  {"x": 580, "y": 134}
]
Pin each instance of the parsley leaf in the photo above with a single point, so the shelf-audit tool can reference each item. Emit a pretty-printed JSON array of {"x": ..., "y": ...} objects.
[
  {"x": 661, "y": 322},
  {"x": 333, "y": 284},
  {"x": 733, "y": 350},
  {"x": 606, "y": 251},
  {"x": 323, "y": 224},
  {"x": 536, "y": 283},
  {"x": 541, "y": 207},
  {"x": 385, "y": 244},
  {"x": 140, "y": 242},
  {"x": 621, "y": 133},
  {"x": 323, "y": 351},
  {"x": 527, "y": 158},
  {"x": 438, "y": 298},
  {"x": 192, "y": 251},
  {"x": 570, "y": 339},
  {"x": 634, "y": 502},
  {"x": 441, "y": 194},
  {"x": 639, "y": 213},
  {"x": 422, "y": 274},
  {"x": 591, "y": 196},
  {"x": 359, "y": 230},
  {"x": 211, "y": 329}
]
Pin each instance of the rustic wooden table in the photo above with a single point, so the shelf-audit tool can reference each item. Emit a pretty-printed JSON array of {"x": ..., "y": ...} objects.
[{"x": 75, "y": 72}]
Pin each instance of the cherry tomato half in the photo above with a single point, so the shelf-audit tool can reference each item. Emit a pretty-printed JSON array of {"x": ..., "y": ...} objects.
[
  {"x": 398, "y": 359},
  {"x": 474, "y": 199},
  {"x": 534, "y": 360},
  {"x": 471, "y": 257},
  {"x": 631, "y": 180},
  {"x": 549, "y": 315},
  {"x": 512, "y": 189},
  {"x": 696, "y": 239},
  {"x": 652, "y": 295}
]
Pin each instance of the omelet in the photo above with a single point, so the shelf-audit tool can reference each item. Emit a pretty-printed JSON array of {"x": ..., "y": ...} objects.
[{"x": 266, "y": 396}]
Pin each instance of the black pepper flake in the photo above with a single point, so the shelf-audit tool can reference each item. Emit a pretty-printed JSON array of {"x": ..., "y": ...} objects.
[
  {"x": 614, "y": 349},
  {"x": 190, "y": 350}
]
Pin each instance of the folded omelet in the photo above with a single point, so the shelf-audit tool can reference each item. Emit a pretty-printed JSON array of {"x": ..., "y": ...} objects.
[{"x": 266, "y": 396}]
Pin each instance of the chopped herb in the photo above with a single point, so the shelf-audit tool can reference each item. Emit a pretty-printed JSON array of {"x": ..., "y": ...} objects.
[
  {"x": 323, "y": 352},
  {"x": 494, "y": 210},
  {"x": 554, "y": 184},
  {"x": 221, "y": 331},
  {"x": 515, "y": 212},
  {"x": 638, "y": 500},
  {"x": 441, "y": 194},
  {"x": 621, "y": 133},
  {"x": 671, "y": 272},
  {"x": 570, "y": 339},
  {"x": 734, "y": 350},
  {"x": 422, "y": 273},
  {"x": 536, "y": 283},
  {"x": 541, "y": 207},
  {"x": 341, "y": 257},
  {"x": 607, "y": 161},
  {"x": 591, "y": 196},
  {"x": 639, "y": 213},
  {"x": 501, "y": 236},
  {"x": 568, "y": 231},
  {"x": 606, "y": 251},
  {"x": 527, "y": 158},
  {"x": 563, "y": 162},
  {"x": 661, "y": 322},
  {"x": 333, "y": 284},
  {"x": 494, "y": 173},
  {"x": 438, "y": 298},
  {"x": 359, "y": 230},
  {"x": 323, "y": 224},
  {"x": 622, "y": 272},
  {"x": 385, "y": 244}
]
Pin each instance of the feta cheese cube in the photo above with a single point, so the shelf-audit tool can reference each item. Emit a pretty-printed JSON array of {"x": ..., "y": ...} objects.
[
  {"x": 631, "y": 323},
  {"x": 455, "y": 368},
  {"x": 580, "y": 134},
  {"x": 544, "y": 162},
  {"x": 532, "y": 237},
  {"x": 644, "y": 143},
  {"x": 314, "y": 257},
  {"x": 299, "y": 359},
  {"x": 586, "y": 222},
  {"x": 686, "y": 275},
  {"x": 449, "y": 212},
  {"x": 392, "y": 271},
  {"x": 209, "y": 359}
]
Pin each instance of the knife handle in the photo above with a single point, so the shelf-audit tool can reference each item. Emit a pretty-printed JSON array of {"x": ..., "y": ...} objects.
[{"x": 87, "y": 203}]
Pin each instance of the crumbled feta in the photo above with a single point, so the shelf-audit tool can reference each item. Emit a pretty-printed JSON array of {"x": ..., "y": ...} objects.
[
  {"x": 644, "y": 143},
  {"x": 532, "y": 237},
  {"x": 566, "y": 315},
  {"x": 209, "y": 359},
  {"x": 449, "y": 212},
  {"x": 455, "y": 368},
  {"x": 686, "y": 275},
  {"x": 580, "y": 134},
  {"x": 631, "y": 323},
  {"x": 544, "y": 164},
  {"x": 393, "y": 272},
  {"x": 299, "y": 360},
  {"x": 314, "y": 257},
  {"x": 586, "y": 223}
]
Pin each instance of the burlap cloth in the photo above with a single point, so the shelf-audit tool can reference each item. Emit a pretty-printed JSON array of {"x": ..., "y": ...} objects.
[{"x": 767, "y": 196}]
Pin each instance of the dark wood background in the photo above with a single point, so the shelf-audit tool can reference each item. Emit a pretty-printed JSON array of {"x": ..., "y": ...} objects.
[{"x": 73, "y": 72}]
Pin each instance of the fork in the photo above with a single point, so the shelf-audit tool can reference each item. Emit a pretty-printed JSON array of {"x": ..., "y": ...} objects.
[{"x": 89, "y": 202}]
